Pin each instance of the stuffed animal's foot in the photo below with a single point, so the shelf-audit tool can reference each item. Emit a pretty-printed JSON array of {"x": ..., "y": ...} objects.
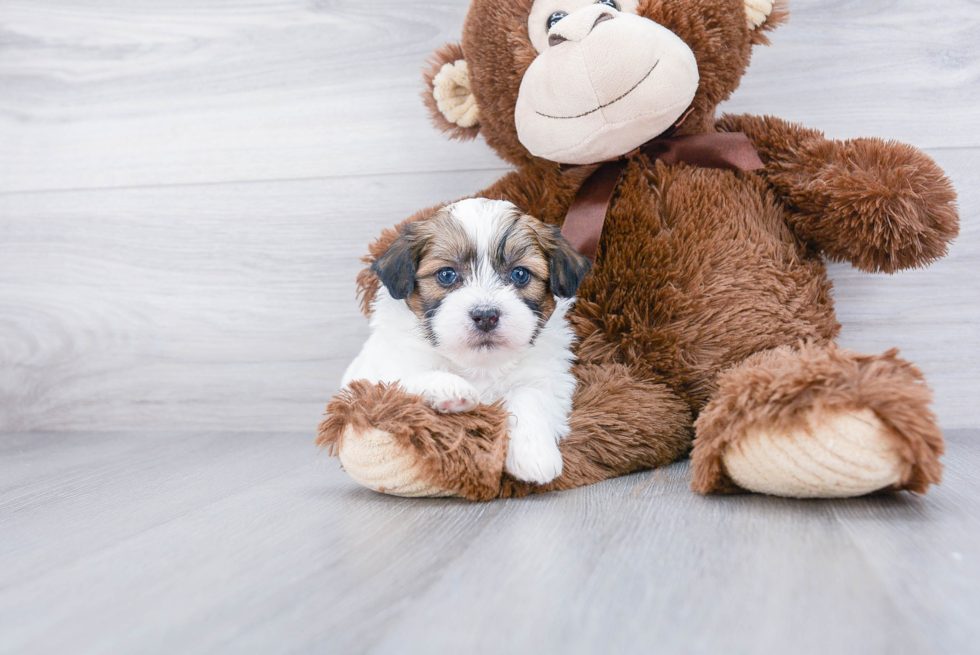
[
  {"x": 818, "y": 422},
  {"x": 395, "y": 443},
  {"x": 379, "y": 461},
  {"x": 837, "y": 454}
]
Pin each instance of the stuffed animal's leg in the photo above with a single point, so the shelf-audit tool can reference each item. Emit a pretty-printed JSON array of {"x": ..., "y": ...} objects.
[
  {"x": 880, "y": 205},
  {"x": 818, "y": 422},
  {"x": 392, "y": 442}
]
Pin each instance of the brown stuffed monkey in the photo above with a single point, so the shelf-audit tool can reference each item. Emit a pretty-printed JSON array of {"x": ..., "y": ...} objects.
[{"x": 707, "y": 325}]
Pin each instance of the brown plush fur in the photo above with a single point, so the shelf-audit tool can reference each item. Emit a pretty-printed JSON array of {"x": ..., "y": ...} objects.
[
  {"x": 834, "y": 190},
  {"x": 706, "y": 281},
  {"x": 779, "y": 15}
]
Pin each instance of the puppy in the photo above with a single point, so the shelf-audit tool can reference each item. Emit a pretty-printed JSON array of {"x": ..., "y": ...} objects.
[{"x": 473, "y": 311}]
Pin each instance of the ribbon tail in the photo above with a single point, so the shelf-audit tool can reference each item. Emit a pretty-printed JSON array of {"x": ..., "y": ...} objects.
[{"x": 587, "y": 215}]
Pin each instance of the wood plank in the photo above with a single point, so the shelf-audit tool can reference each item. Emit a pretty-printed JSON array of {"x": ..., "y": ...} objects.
[
  {"x": 217, "y": 307},
  {"x": 100, "y": 94},
  {"x": 216, "y": 91},
  {"x": 195, "y": 550},
  {"x": 98, "y": 490},
  {"x": 231, "y": 307},
  {"x": 658, "y": 566},
  {"x": 858, "y": 68},
  {"x": 898, "y": 535},
  {"x": 195, "y": 569}
]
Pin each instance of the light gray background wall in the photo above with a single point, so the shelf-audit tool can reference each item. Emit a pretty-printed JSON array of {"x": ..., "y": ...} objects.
[{"x": 186, "y": 188}]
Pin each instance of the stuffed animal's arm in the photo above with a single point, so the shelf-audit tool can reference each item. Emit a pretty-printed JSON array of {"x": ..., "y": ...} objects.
[{"x": 882, "y": 206}]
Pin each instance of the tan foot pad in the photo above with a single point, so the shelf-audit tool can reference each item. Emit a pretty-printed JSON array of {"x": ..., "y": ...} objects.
[
  {"x": 840, "y": 456},
  {"x": 374, "y": 460}
]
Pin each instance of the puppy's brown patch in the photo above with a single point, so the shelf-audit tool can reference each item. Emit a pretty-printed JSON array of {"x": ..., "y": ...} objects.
[
  {"x": 528, "y": 243},
  {"x": 411, "y": 266},
  {"x": 442, "y": 243}
]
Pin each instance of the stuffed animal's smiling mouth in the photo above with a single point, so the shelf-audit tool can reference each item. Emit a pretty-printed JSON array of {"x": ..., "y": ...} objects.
[{"x": 601, "y": 107}]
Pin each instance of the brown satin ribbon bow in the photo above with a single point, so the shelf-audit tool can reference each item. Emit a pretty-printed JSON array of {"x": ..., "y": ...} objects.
[{"x": 725, "y": 150}]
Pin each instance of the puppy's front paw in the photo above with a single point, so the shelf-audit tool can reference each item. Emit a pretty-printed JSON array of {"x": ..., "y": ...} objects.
[
  {"x": 451, "y": 394},
  {"x": 533, "y": 455}
]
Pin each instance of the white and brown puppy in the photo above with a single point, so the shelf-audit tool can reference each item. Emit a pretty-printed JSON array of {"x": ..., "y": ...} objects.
[{"x": 473, "y": 311}]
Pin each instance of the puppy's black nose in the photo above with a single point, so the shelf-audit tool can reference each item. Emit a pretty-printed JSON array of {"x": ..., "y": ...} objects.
[{"x": 485, "y": 319}]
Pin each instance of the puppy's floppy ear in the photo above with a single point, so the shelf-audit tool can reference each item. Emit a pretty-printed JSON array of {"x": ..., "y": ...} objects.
[
  {"x": 449, "y": 95},
  {"x": 398, "y": 265},
  {"x": 567, "y": 267}
]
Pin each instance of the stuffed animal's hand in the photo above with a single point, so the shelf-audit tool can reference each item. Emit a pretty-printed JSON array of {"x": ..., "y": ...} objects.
[{"x": 882, "y": 206}]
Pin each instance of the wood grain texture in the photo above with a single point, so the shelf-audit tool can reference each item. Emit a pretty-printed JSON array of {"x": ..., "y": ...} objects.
[
  {"x": 106, "y": 94},
  {"x": 227, "y": 306},
  {"x": 206, "y": 174},
  {"x": 233, "y": 306},
  {"x": 222, "y": 542}
]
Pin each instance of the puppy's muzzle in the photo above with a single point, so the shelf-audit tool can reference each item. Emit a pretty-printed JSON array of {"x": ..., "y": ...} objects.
[{"x": 485, "y": 320}]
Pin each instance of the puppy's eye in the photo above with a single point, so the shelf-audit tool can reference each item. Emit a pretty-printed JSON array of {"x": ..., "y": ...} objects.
[
  {"x": 447, "y": 277},
  {"x": 554, "y": 18},
  {"x": 520, "y": 276},
  {"x": 608, "y": 3}
]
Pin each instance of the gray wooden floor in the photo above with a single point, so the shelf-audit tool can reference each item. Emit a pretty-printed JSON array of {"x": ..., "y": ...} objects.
[
  {"x": 131, "y": 543},
  {"x": 185, "y": 189}
]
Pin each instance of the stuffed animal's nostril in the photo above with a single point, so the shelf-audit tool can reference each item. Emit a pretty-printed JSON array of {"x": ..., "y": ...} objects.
[
  {"x": 575, "y": 27},
  {"x": 602, "y": 19},
  {"x": 485, "y": 319}
]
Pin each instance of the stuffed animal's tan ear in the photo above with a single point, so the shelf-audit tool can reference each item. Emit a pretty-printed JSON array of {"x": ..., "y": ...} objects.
[
  {"x": 763, "y": 16},
  {"x": 448, "y": 94}
]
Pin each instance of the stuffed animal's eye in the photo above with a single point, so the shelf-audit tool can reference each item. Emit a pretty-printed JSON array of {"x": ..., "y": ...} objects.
[
  {"x": 608, "y": 3},
  {"x": 520, "y": 276},
  {"x": 555, "y": 17},
  {"x": 447, "y": 277}
]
